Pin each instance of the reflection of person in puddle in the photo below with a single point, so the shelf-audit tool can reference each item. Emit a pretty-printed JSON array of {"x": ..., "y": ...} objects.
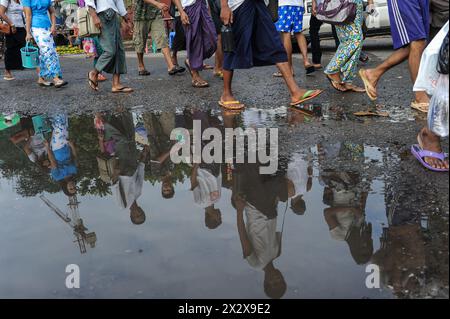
[
  {"x": 159, "y": 128},
  {"x": 34, "y": 146},
  {"x": 128, "y": 177},
  {"x": 258, "y": 196},
  {"x": 346, "y": 194},
  {"x": 345, "y": 216},
  {"x": 62, "y": 155},
  {"x": 206, "y": 183},
  {"x": 299, "y": 175}
]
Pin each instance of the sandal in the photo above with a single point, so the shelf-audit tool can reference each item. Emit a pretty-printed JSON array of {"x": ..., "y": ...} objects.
[
  {"x": 124, "y": 89},
  {"x": 277, "y": 74},
  {"x": 207, "y": 67},
  {"x": 45, "y": 84},
  {"x": 177, "y": 69},
  {"x": 199, "y": 84},
  {"x": 354, "y": 88},
  {"x": 310, "y": 94},
  {"x": 367, "y": 85},
  {"x": 421, "y": 107},
  {"x": 420, "y": 154},
  {"x": 335, "y": 84},
  {"x": 9, "y": 78},
  {"x": 60, "y": 84},
  {"x": 219, "y": 74},
  {"x": 231, "y": 105},
  {"x": 310, "y": 69},
  {"x": 92, "y": 84},
  {"x": 144, "y": 73}
]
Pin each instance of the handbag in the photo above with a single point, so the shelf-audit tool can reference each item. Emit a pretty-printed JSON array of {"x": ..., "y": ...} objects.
[
  {"x": 86, "y": 25},
  {"x": 336, "y": 11},
  {"x": 5, "y": 28},
  {"x": 106, "y": 167}
]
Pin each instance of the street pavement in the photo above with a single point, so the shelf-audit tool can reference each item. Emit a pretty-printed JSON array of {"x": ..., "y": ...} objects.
[{"x": 258, "y": 90}]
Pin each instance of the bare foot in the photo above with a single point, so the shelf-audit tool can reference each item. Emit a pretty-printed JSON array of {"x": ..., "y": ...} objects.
[
  {"x": 227, "y": 97},
  {"x": 354, "y": 88},
  {"x": 422, "y": 97},
  {"x": 431, "y": 142}
]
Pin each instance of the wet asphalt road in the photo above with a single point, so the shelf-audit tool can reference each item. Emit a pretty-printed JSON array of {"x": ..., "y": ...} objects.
[{"x": 258, "y": 89}]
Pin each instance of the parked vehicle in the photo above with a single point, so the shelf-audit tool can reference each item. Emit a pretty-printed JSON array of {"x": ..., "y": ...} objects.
[{"x": 375, "y": 26}]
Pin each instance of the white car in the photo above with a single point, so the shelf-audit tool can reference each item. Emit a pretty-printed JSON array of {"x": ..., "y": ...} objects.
[{"x": 375, "y": 26}]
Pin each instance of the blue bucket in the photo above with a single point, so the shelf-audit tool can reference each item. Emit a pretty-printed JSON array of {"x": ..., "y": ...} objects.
[{"x": 30, "y": 56}]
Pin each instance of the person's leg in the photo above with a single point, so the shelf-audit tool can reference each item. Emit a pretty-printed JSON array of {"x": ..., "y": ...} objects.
[
  {"x": 9, "y": 43},
  {"x": 335, "y": 36},
  {"x": 140, "y": 35},
  {"x": 193, "y": 45},
  {"x": 287, "y": 43},
  {"x": 340, "y": 58},
  {"x": 49, "y": 59},
  {"x": 158, "y": 33},
  {"x": 303, "y": 46},
  {"x": 431, "y": 142},
  {"x": 316, "y": 50},
  {"x": 374, "y": 75},
  {"x": 227, "y": 94},
  {"x": 218, "y": 68},
  {"x": 354, "y": 38},
  {"x": 415, "y": 55}
]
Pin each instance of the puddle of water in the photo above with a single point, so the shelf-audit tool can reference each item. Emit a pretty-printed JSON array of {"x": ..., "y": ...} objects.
[{"x": 101, "y": 192}]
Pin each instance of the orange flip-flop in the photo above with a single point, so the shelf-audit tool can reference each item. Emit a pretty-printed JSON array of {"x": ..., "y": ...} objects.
[{"x": 309, "y": 95}]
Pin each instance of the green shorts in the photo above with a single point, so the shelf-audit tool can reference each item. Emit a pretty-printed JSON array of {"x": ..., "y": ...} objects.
[{"x": 157, "y": 31}]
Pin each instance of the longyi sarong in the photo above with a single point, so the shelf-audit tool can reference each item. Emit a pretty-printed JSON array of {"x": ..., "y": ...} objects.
[
  {"x": 112, "y": 60},
  {"x": 201, "y": 35},
  {"x": 257, "y": 41}
]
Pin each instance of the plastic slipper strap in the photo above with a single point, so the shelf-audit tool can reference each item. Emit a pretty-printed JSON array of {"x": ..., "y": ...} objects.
[{"x": 425, "y": 153}]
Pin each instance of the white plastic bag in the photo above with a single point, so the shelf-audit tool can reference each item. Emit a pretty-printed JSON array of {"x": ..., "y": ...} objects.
[
  {"x": 438, "y": 112},
  {"x": 428, "y": 74}
]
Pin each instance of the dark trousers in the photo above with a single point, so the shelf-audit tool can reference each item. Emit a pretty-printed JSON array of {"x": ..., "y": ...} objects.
[{"x": 314, "y": 29}]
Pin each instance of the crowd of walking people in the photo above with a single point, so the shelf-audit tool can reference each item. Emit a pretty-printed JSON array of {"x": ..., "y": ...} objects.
[{"x": 260, "y": 37}]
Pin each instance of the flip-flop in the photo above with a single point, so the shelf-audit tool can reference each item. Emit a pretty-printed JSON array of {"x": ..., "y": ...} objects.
[
  {"x": 277, "y": 75},
  {"x": 7, "y": 78},
  {"x": 421, "y": 107},
  {"x": 208, "y": 67},
  {"x": 61, "y": 84},
  {"x": 45, "y": 84},
  {"x": 199, "y": 84},
  {"x": 177, "y": 69},
  {"x": 335, "y": 84},
  {"x": 231, "y": 105},
  {"x": 219, "y": 74},
  {"x": 420, "y": 155},
  {"x": 310, "y": 69},
  {"x": 124, "y": 89},
  {"x": 353, "y": 89},
  {"x": 367, "y": 85},
  {"x": 310, "y": 94},
  {"x": 144, "y": 73},
  {"x": 92, "y": 84}
]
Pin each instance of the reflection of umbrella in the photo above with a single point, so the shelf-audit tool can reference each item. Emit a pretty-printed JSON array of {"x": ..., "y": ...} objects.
[{"x": 7, "y": 121}]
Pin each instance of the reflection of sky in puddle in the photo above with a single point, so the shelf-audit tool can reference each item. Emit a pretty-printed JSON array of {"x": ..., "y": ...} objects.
[{"x": 173, "y": 254}]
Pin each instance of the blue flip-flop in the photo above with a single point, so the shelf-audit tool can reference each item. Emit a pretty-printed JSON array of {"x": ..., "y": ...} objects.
[{"x": 420, "y": 155}]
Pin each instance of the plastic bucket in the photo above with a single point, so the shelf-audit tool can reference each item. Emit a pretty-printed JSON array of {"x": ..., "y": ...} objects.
[{"x": 30, "y": 56}]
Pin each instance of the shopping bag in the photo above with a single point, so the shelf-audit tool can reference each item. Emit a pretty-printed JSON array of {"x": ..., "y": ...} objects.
[
  {"x": 438, "y": 111},
  {"x": 428, "y": 72}
]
